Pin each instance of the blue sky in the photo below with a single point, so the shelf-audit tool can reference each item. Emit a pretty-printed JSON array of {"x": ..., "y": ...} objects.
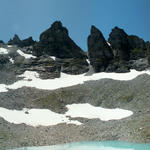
[{"x": 31, "y": 17}]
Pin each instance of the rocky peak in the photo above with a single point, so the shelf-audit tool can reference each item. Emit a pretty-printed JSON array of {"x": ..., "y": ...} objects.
[
  {"x": 21, "y": 43},
  {"x": 119, "y": 43},
  {"x": 55, "y": 31},
  {"x": 57, "y": 26},
  {"x": 94, "y": 30},
  {"x": 99, "y": 51},
  {"x": 55, "y": 41},
  {"x": 15, "y": 41}
]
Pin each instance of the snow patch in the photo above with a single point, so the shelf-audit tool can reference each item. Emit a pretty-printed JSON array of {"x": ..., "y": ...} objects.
[
  {"x": 11, "y": 60},
  {"x": 87, "y": 60},
  {"x": 31, "y": 79},
  {"x": 45, "y": 117},
  {"x": 27, "y": 56},
  {"x": 3, "y": 50},
  {"x": 9, "y": 45},
  {"x": 108, "y": 43},
  {"x": 53, "y": 57},
  {"x": 3, "y": 88},
  {"x": 35, "y": 117},
  {"x": 91, "y": 112}
]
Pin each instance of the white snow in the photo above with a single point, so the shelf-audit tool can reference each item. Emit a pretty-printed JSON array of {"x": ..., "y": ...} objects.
[
  {"x": 11, "y": 60},
  {"x": 3, "y": 50},
  {"x": 9, "y": 45},
  {"x": 91, "y": 112},
  {"x": 3, "y": 88},
  {"x": 53, "y": 57},
  {"x": 31, "y": 79},
  {"x": 45, "y": 117},
  {"x": 88, "y": 61},
  {"x": 27, "y": 56},
  {"x": 35, "y": 117},
  {"x": 108, "y": 43}
]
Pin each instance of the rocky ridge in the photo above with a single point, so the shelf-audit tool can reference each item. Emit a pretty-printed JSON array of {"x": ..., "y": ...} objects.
[{"x": 56, "y": 52}]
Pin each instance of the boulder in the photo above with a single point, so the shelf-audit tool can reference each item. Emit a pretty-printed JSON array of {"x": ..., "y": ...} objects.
[{"x": 99, "y": 52}]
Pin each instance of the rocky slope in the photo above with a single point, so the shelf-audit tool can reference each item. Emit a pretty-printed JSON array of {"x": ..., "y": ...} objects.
[
  {"x": 99, "y": 93},
  {"x": 57, "y": 53}
]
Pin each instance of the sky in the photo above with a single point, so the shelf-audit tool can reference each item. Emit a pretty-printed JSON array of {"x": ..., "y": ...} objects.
[{"x": 31, "y": 17}]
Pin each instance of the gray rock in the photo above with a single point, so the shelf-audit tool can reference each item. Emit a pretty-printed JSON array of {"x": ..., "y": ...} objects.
[{"x": 99, "y": 51}]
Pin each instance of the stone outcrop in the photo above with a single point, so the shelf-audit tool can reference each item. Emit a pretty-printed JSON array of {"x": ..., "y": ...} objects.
[
  {"x": 15, "y": 41},
  {"x": 27, "y": 42},
  {"x": 119, "y": 43},
  {"x": 44, "y": 65},
  {"x": 138, "y": 47},
  {"x": 21, "y": 43},
  {"x": 73, "y": 66},
  {"x": 55, "y": 41},
  {"x": 99, "y": 52}
]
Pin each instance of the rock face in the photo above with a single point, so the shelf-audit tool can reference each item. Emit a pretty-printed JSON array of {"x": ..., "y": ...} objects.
[
  {"x": 27, "y": 42},
  {"x": 44, "y": 65},
  {"x": 55, "y": 41},
  {"x": 119, "y": 43},
  {"x": 137, "y": 46},
  {"x": 73, "y": 66},
  {"x": 122, "y": 53},
  {"x": 99, "y": 52}
]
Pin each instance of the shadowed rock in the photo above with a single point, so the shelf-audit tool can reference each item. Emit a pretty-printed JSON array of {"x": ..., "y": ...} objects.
[
  {"x": 137, "y": 46},
  {"x": 21, "y": 43},
  {"x": 99, "y": 52},
  {"x": 55, "y": 41},
  {"x": 119, "y": 43},
  {"x": 15, "y": 41}
]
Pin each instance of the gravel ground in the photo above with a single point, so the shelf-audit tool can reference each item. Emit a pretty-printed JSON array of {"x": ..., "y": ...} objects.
[{"x": 133, "y": 95}]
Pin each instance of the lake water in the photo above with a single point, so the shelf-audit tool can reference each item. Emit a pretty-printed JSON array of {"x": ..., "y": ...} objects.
[{"x": 108, "y": 145}]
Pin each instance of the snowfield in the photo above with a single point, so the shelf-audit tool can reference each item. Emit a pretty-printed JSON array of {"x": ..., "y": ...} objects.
[
  {"x": 26, "y": 56},
  {"x": 53, "y": 57},
  {"x": 92, "y": 112},
  {"x": 3, "y": 50},
  {"x": 45, "y": 117},
  {"x": 31, "y": 79}
]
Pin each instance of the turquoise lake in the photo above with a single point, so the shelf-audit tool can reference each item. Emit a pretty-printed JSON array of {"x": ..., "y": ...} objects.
[{"x": 108, "y": 145}]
